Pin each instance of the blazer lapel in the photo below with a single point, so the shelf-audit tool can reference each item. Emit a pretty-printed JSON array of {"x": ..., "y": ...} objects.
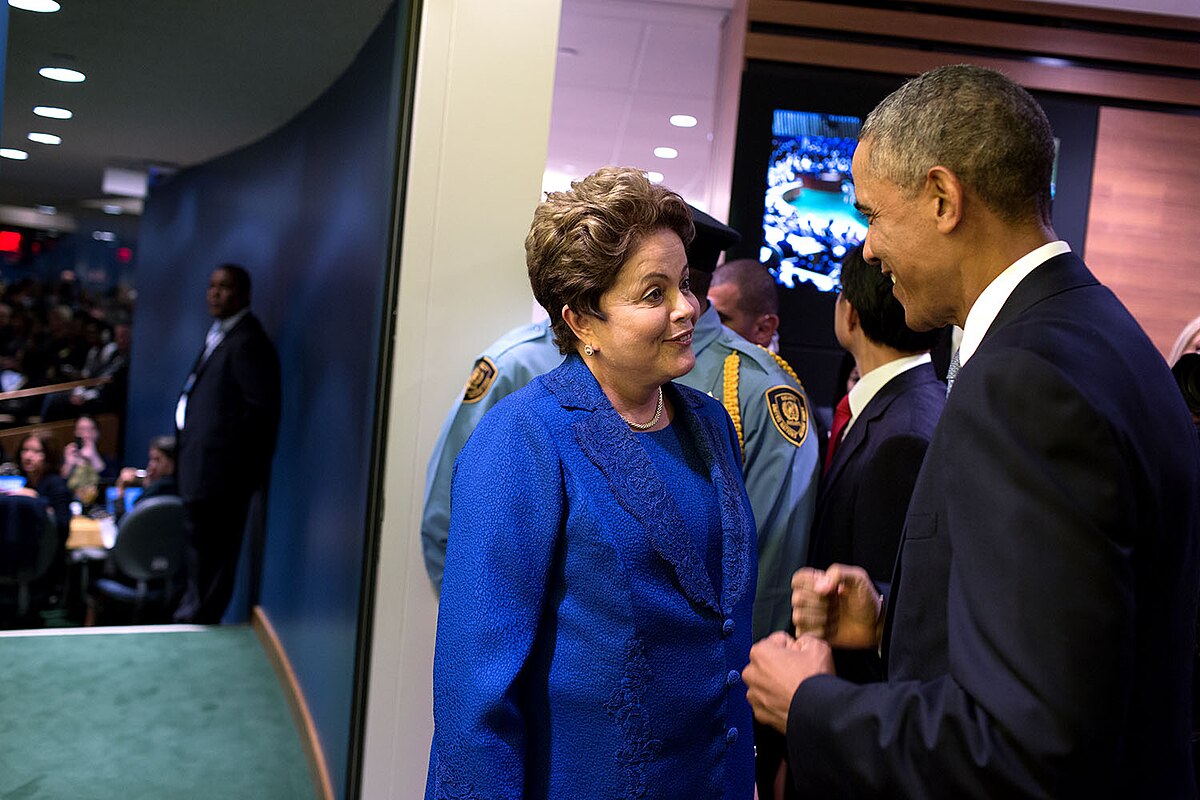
[
  {"x": 873, "y": 411},
  {"x": 607, "y": 441},
  {"x": 726, "y": 477},
  {"x": 1058, "y": 274}
]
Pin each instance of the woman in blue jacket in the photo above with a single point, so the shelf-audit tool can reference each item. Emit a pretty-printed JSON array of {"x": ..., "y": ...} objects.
[{"x": 595, "y": 611}]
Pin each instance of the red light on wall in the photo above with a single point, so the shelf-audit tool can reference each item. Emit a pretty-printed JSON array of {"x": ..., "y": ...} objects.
[
  {"x": 10, "y": 242},
  {"x": 124, "y": 255}
]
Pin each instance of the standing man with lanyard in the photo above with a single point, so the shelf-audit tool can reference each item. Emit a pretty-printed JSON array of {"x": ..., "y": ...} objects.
[{"x": 226, "y": 420}]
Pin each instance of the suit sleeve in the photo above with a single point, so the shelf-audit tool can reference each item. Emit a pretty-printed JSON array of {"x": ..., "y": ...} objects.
[
  {"x": 508, "y": 503},
  {"x": 781, "y": 480},
  {"x": 435, "y": 518},
  {"x": 1038, "y": 669},
  {"x": 256, "y": 371}
]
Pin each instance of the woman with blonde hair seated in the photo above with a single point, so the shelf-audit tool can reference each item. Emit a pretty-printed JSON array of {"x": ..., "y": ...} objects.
[{"x": 600, "y": 569}]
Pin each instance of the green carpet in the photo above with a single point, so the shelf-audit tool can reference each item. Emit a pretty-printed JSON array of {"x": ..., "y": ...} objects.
[{"x": 179, "y": 714}]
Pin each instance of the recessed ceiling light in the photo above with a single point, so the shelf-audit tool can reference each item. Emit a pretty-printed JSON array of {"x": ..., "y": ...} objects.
[
  {"x": 50, "y": 210},
  {"x": 683, "y": 121},
  {"x": 666, "y": 152},
  {"x": 654, "y": 177},
  {"x": 41, "y": 6},
  {"x": 52, "y": 112},
  {"x": 111, "y": 208},
  {"x": 62, "y": 74},
  {"x": 15, "y": 155},
  {"x": 44, "y": 138},
  {"x": 104, "y": 236}
]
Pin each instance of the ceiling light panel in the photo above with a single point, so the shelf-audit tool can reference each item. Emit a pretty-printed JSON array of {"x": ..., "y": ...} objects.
[
  {"x": 40, "y": 6},
  {"x": 62, "y": 74},
  {"x": 44, "y": 138},
  {"x": 52, "y": 112}
]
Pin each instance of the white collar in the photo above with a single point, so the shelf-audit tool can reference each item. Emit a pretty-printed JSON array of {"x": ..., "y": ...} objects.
[
  {"x": 992, "y": 299},
  {"x": 227, "y": 324},
  {"x": 870, "y": 384}
]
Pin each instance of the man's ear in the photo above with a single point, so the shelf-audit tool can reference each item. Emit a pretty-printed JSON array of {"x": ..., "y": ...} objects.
[
  {"x": 852, "y": 321},
  {"x": 765, "y": 327},
  {"x": 945, "y": 194}
]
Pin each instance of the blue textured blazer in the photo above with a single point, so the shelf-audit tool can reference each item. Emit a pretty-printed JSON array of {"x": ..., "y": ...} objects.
[{"x": 582, "y": 650}]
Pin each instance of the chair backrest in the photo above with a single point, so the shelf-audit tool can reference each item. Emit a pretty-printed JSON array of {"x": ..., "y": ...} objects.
[
  {"x": 28, "y": 538},
  {"x": 150, "y": 539}
]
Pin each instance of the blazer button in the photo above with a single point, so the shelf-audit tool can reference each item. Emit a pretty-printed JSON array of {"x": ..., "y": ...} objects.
[
  {"x": 727, "y": 628},
  {"x": 732, "y": 678},
  {"x": 731, "y": 736}
]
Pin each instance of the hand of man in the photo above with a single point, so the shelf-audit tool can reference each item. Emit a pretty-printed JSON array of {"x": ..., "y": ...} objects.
[
  {"x": 839, "y": 605},
  {"x": 778, "y": 665}
]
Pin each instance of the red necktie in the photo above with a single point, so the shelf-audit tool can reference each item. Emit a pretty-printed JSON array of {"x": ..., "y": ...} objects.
[{"x": 841, "y": 415}]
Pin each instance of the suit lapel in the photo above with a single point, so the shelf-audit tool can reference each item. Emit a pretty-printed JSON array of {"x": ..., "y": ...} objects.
[
  {"x": 874, "y": 410},
  {"x": 1056, "y": 275}
]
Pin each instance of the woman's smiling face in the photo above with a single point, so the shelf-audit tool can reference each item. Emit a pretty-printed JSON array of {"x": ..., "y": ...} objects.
[{"x": 646, "y": 335}]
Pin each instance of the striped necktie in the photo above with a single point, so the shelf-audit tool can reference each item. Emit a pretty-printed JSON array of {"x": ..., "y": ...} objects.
[{"x": 952, "y": 372}]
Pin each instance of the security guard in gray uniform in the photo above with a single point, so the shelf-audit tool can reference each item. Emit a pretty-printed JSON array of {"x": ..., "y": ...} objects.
[
  {"x": 506, "y": 365},
  {"x": 764, "y": 398}
]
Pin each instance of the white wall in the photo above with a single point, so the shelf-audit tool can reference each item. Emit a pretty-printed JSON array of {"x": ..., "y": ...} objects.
[{"x": 482, "y": 116}]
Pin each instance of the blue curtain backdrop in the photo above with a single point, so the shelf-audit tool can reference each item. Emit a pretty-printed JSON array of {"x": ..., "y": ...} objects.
[{"x": 307, "y": 211}]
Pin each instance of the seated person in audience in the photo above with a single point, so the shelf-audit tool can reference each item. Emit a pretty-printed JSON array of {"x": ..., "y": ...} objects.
[
  {"x": 37, "y": 464},
  {"x": 157, "y": 480},
  {"x": 105, "y": 360},
  {"x": 83, "y": 466}
]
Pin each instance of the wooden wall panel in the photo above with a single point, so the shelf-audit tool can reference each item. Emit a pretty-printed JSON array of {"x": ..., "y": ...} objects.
[{"x": 1144, "y": 214}]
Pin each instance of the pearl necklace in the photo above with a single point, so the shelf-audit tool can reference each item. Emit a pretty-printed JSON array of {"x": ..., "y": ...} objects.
[{"x": 640, "y": 426}]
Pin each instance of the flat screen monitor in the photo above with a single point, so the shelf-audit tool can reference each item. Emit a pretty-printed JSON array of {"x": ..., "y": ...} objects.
[{"x": 809, "y": 219}]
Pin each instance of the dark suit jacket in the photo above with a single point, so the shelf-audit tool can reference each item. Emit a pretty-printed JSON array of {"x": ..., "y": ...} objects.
[
  {"x": 232, "y": 416},
  {"x": 1039, "y": 638},
  {"x": 864, "y": 496}
]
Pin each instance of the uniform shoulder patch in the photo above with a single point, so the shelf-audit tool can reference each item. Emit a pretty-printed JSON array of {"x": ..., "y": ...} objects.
[
  {"x": 789, "y": 413},
  {"x": 480, "y": 381}
]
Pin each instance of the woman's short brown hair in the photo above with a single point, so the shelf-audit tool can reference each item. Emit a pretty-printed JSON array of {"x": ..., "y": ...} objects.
[{"x": 580, "y": 239}]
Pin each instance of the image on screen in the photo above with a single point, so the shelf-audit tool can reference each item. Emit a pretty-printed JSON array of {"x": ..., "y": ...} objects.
[{"x": 809, "y": 219}]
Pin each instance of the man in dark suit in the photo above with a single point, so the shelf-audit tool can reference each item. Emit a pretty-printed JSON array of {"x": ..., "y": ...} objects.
[
  {"x": 1038, "y": 637},
  {"x": 226, "y": 421},
  {"x": 889, "y": 417}
]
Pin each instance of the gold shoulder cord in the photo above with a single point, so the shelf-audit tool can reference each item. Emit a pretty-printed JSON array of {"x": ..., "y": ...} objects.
[
  {"x": 786, "y": 367},
  {"x": 730, "y": 397}
]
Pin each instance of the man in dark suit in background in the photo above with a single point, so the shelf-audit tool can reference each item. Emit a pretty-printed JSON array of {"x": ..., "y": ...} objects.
[
  {"x": 1038, "y": 637},
  {"x": 226, "y": 421},
  {"x": 889, "y": 417}
]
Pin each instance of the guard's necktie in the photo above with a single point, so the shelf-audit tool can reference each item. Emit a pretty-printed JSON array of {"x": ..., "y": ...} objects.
[
  {"x": 952, "y": 372},
  {"x": 841, "y": 416}
]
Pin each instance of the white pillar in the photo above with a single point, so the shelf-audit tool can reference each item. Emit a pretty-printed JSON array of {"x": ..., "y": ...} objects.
[{"x": 481, "y": 120}]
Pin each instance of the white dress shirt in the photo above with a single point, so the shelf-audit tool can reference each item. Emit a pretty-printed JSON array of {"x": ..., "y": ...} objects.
[
  {"x": 870, "y": 384},
  {"x": 992, "y": 299}
]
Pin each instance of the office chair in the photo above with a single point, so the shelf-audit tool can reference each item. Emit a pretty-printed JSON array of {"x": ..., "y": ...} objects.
[
  {"x": 28, "y": 541},
  {"x": 149, "y": 549}
]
